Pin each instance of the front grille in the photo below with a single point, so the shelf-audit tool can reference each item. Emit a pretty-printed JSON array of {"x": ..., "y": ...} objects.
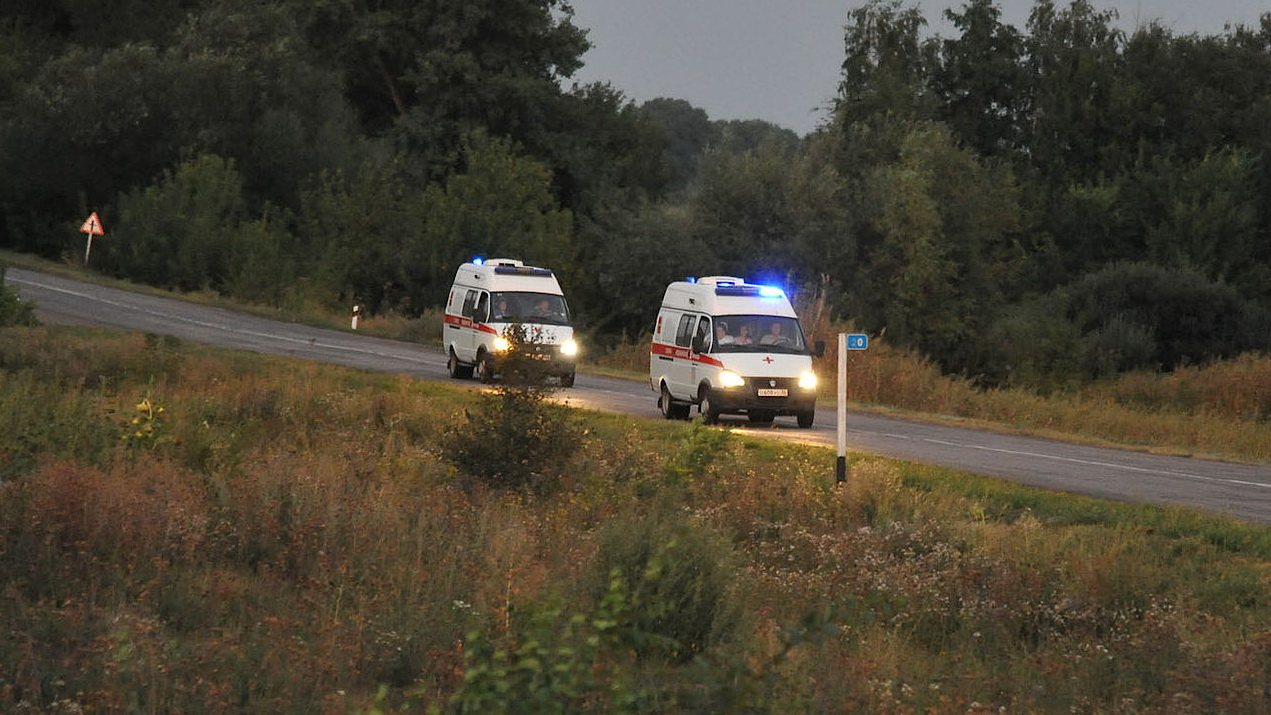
[{"x": 771, "y": 383}]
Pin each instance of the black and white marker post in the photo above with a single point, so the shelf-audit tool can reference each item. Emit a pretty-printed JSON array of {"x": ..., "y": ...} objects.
[
  {"x": 840, "y": 467},
  {"x": 855, "y": 341}
]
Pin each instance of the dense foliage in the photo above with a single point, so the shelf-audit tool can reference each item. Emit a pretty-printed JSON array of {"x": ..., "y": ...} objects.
[{"x": 1036, "y": 205}]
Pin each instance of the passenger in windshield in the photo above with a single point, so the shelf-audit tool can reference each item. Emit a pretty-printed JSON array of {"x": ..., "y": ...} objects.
[
  {"x": 743, "y": 335},
  {"x": 721, "y": 334}
]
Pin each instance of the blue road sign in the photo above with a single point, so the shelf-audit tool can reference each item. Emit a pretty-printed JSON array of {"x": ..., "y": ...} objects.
[{"x": 857, "y": 341}]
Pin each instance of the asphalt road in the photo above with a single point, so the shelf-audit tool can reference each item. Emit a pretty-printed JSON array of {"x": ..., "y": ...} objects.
[{"x": 1242, "y": 491}]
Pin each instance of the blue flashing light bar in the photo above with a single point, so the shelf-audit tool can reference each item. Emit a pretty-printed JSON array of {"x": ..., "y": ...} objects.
[
  {"x": 748, "y": 289},
  {"x": 478, "y": 261},
  {"x": 690, "y": 279}
]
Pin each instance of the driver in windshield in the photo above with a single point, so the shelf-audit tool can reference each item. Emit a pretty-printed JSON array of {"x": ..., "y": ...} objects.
[{"x": 774, "y": 336}]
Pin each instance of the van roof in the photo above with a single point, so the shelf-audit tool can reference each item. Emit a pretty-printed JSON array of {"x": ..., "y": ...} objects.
[
  {"x": 507, "y": 274},
  {"x": 727, "y": 295}
]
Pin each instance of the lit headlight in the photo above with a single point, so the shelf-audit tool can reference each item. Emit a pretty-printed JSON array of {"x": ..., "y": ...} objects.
[
  {"x": 569, "y": 348},
  {"x": 501, "y": 344},
  {"x": 728, "y": 378},
  {"x": 807, "y": 381}
]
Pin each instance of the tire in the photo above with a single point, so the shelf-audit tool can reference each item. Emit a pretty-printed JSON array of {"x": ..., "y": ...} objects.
[
  {"x": 671, "y": 409},
  {"x": 806, "y": 419},
  {"x": 457, "y": 371},
  {"x": 761, "y": 417},
  {"x": 567, "y": 380},
  {"x": 484, "y": 368},
  {"x": 710, "y": 413}
]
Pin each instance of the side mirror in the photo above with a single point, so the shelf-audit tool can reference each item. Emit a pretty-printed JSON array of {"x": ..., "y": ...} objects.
[{"x": 818, "y": 349}]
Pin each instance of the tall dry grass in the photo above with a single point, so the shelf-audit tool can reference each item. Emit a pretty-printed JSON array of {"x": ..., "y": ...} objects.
[{"x": 300, "y": 545}]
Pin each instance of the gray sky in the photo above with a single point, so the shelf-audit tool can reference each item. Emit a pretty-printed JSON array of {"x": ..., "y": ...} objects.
[{"x": 779, "y": 60}]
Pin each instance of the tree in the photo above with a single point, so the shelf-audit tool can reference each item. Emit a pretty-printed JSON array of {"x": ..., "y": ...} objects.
[
  {"x": 356, "y": 228},
  {"x": 499, "y": 204},
  {"x": 689, "y": 132},
  {"x": 949, "y": 252},
  {"x": 1073, "y": 132},
  {"x": 980, "y": 80},
  {"x": 1183, "y": 318},
  {"x": 430, "y": 72},
  {"x": 180, "y": 232},
  {"x": 742, "y": 212},
  {"x": 885, "y": 83}
]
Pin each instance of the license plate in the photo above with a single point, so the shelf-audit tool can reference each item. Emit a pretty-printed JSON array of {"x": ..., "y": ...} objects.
[{"x": 777, "y": 392}]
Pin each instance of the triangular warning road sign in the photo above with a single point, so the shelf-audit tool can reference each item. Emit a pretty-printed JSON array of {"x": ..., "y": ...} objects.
[{"x": 93, "y": 225}]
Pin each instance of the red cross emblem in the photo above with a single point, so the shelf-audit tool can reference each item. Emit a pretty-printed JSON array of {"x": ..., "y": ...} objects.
[{"x": 767, "y": 359}]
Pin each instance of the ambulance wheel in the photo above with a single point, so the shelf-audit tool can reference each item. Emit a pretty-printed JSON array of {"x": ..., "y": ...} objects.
[
  {"x": 457, "y": 371},
  {"x": 671, "y": 409},
  {"x": 567, "y": 380},
  {"x": 710, "y": 413},
  {"x": 806, "y": 418},
  {"x": 761, "y": 417},
  {"x": 484, "y": 368}
]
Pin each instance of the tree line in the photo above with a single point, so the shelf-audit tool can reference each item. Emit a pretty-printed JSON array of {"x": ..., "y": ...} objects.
[{"x": 1032, "y": 206}]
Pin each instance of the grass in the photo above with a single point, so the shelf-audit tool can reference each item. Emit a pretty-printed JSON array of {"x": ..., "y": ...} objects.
[{"x": 291, "y": 537}]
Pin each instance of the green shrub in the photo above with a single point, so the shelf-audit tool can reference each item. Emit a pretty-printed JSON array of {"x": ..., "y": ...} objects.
[
  {"x": 678, "y": 575},
  {"x": 515, "y": 437},
  {"x": 13, "y": 311}
]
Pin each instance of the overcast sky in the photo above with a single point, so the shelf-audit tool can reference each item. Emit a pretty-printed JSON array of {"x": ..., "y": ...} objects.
[{"x": 778, "y": 60}]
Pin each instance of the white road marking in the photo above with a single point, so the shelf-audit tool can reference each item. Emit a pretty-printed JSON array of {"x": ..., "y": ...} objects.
[{"x": 1094, "y": 463}]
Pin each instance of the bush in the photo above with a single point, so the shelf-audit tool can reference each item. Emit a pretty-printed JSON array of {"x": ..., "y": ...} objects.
[
  {"x": 677, "y": 576},
  {"x": 1192, "y": 320},
  {"x": 515, "y": 437},
  {"x": 13, "y": 311}
]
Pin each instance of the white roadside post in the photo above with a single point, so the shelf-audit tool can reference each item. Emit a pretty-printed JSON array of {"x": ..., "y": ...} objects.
[
  {"x": 840, "y": 468},
  {"x": 357, "y": 313},
  {"x": 855, "y": 341}
]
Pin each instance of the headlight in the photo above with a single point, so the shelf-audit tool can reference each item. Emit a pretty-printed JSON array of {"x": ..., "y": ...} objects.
[
  {"x": 807, "y": 381},
  {"x": 728, "y": 378},
  {"x": 501, "y": 344},
  {"x": 569, "y": 348}
]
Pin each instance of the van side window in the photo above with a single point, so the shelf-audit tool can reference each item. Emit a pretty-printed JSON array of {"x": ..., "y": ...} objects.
[
  {"x": 684, "y": 335},
  {"x": 469, "y": 303},
  {"x": 704, "y": 332},
  {"x": 483, "y": 308}
]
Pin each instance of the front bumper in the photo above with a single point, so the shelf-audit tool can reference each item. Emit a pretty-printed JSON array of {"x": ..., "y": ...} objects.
[{"x": 780, "y": 396}]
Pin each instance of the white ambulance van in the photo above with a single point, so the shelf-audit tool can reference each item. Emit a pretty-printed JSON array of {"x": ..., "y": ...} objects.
[
  {"x": 731, "y": 347},
  {"x": 490, "y": 302}
]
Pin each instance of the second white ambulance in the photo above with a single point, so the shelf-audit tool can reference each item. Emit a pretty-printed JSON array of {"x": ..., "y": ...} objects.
[
  {"x": 493, "y": 300},
  {"x": 731, "y": 347}
]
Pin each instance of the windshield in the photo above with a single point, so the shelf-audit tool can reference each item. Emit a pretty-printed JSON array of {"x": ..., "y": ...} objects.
[
  {"x": 545, "y": 308},
  {"x": 757, "y": 333}
]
